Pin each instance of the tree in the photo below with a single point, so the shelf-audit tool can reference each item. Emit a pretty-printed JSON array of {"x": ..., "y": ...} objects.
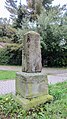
[
  {"x": 21, "y": 14},
  {"x": 11, "y": 6},
  {"x": 4, "y": 22},
  {"x": 33, "y": 7},
  {"x": 47, "y": 3},
  {"x": 27, "y": 14},
  {"x": 53, "y": 37}
]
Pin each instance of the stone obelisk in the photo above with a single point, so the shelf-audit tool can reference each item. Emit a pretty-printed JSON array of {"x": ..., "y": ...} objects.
[{"x": 31, "y": 53}]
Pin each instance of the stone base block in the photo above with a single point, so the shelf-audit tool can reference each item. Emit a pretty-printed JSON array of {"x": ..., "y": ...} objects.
[
  {"x": 28, "y": 104},
  {"x": 30, "y": 85}
]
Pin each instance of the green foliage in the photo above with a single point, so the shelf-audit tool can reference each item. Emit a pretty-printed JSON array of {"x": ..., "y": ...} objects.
[
  {"x": 11, "y": 54},
  {"x": 56, "y": 109},
  {"x": 47, "y": 3},
  {"x": 49, "y": 22},
  {"x": 7, "y": 75},
  {"x": 58, "y": 91},
  {"x": 10, "y": 31},
  {"x": 11, "y": 6},
  {"x": 2, "y": 30},
  {"x": 4, "y": 58},
  {"x": 5, "y": 39},
  {"x": 21, "y": 14},
  {"x": 19, "y": 35},
  {"x": 54, "y": 38},
  {"x": 10, "y": 108},
  {"x": 7, "y": 33}
]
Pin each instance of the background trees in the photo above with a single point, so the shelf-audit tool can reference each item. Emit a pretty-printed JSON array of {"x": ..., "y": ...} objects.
[
  {"x": 50, "y": 22},
  {"x": 53, "y": 33},
  {"x": 11, "y": 6}
]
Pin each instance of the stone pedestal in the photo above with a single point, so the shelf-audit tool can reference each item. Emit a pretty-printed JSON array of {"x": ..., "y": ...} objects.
[
  {"x": 30, "y": 85},
  {"x": 31, "y": 88}
]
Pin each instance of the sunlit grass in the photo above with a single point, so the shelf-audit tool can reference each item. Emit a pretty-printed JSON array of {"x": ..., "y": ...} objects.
[{"x": 7, "y": 75}]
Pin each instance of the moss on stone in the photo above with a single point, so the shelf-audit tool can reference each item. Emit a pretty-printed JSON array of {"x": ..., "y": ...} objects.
[{"x": 27, "y": 104}]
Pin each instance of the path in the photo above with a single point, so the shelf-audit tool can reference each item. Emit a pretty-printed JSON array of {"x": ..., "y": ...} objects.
[
  {"x": 44, "y": 70},
  {"x": 11, "y": 68},
  {"x": 7, "y": 86},
  {"x": 52, "y": 79},
  {"x": 55, "y": 75}
]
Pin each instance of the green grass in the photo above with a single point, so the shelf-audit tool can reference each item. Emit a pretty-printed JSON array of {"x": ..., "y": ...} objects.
[
  {"x": 7, "y": 75},
  {"x": 57, "y": 109}
]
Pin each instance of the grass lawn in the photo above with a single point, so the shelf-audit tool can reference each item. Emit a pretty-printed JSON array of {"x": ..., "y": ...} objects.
[
  {"x": 57, "y": 109},
  {"x": 7, "y": 75}
]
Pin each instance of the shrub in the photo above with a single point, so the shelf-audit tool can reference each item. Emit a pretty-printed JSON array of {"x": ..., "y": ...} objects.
[
  {"x": 11, "y": 54},
  {"x": 55, "y": 57},
  {"x": 5, "y": 39}
]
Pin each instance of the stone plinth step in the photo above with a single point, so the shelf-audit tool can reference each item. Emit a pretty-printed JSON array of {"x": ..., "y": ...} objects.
[{"x": 28, "y": 104}]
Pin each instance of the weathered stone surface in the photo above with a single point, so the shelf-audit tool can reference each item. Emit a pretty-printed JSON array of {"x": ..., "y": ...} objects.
[
  {"x": 27, "y": 104},
  {"x": 30, "y": 85},
  {"x": 31, "y": 52}
]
